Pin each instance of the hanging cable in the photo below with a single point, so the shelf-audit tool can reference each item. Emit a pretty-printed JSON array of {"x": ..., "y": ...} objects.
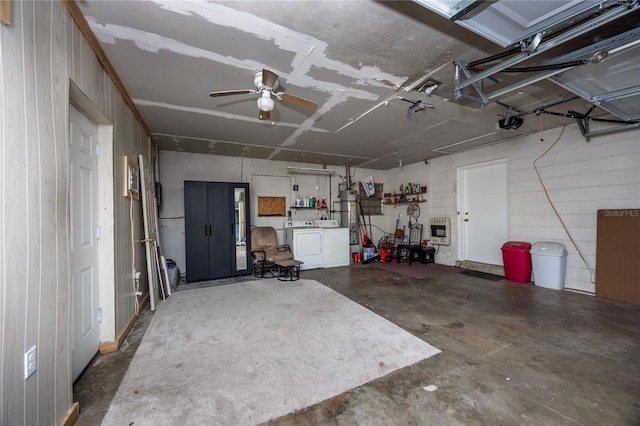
[
  {"x": 547, "y": 67},
  {"x": 546, "y": 193},
  {"x": 493, "y": 58}
]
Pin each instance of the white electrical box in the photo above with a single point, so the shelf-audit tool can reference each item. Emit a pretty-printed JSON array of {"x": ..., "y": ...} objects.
[
  {"x": 30, "y": 362},
  {"x": 131, "y": 179}
]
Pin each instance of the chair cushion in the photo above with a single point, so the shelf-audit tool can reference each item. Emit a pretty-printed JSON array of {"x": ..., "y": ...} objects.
[
  {"x": 273, "y": 255},
  {"x": 263, "y": 236}
]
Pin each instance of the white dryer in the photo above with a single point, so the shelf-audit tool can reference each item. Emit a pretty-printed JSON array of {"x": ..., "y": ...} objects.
[
  {"x": 335, "y": 243},
  {"x": 306, "y": 243}
]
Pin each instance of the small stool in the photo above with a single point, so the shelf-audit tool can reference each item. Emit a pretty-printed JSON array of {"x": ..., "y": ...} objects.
[
  {"x": 427, "y": 255},
  {"x": 424, "y": 254},
  {"x": 289, "y": 270}
]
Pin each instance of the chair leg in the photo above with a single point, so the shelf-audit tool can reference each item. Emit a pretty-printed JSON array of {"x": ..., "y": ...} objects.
[
  {"x": 414, "y": 252},
  {"x": 258, "y": 269}
]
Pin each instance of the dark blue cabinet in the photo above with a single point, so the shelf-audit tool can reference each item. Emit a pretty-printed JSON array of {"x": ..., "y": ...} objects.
[{"x": 216, "y": 229}]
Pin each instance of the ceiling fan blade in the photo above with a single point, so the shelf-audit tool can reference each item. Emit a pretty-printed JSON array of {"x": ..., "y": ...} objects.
[
  {"x": 297, "y": 101},
  {"x": 232, "y": 92},
  {"x": 269, "y": 78},
  {"x": 394, "y": 86},
  {"x": 264, "y": 115}
]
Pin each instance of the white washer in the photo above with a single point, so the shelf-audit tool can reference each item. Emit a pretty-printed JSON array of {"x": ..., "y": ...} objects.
[
  {"x": 337, "y": 251},
  {"x": 306, "y": 243}
]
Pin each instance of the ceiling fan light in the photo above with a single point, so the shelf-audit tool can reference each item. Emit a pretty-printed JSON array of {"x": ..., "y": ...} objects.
[
  {"x": 257, "y": 80},
  {"x": 265, "y": 103}
]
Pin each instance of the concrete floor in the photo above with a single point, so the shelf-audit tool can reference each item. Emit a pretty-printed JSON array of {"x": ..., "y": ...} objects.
[{"x": 512, "y": 354}]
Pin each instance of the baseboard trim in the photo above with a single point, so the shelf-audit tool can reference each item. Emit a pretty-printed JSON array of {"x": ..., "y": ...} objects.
[
  {"x": 110, "y": 347},
  {"x": 71, "y": 417}
]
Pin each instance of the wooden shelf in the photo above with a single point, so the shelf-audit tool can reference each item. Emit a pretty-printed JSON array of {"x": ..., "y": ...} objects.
[
  {"x": 404, "y": 203},
  {"x": 417, "y": 194},
  {"x": 388, "y": 198}
]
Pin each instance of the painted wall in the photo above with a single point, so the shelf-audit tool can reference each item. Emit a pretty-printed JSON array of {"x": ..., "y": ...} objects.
[
  {"x": 40, "y": 53},
  {"x": 416, "y": 173}
]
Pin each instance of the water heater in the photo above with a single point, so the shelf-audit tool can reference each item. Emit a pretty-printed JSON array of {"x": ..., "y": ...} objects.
[{"x": 349, "y": 214}]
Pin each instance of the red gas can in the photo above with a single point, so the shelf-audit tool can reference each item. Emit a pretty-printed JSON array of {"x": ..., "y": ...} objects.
[
  {"x": 385, "y": 252},
  {"x": 385, "y": 256}
]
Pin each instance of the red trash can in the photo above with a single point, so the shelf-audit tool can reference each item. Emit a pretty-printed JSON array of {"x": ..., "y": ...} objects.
[{"x": 517, "y": 261}]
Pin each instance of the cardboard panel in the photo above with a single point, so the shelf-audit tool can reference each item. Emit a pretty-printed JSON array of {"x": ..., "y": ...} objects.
[{"x": 617, "y": 254}]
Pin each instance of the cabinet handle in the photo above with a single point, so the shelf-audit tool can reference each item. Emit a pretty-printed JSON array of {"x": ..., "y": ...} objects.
[
  {"x": 210, "y": 230},
  {"x": 205, "y": 230}
]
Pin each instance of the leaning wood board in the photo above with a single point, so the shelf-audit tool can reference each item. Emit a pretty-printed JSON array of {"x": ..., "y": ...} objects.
[{"x": 618, "y": 254}]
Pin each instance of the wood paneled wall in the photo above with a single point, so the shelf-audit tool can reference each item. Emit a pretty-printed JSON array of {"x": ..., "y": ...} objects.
[{"x": 40, "y": 53}]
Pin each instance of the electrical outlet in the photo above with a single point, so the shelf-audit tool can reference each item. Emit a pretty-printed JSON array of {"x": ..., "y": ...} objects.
[
  {"x": 593, "y": 278},
  {"x": 30, "y": 362}
]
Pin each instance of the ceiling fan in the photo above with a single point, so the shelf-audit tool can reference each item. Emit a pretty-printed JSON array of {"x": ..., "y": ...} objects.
[{"x": 266, "y": 83}]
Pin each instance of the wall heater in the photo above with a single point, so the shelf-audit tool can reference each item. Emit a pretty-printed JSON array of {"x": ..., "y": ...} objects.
[{"x": 440, "y": 230}]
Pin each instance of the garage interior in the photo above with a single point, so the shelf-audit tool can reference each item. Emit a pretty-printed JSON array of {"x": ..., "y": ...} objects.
[{"x": 507, "y": 121}]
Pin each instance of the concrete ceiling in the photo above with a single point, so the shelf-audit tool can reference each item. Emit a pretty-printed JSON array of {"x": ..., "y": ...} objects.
[{"x": 345, "y": 56}]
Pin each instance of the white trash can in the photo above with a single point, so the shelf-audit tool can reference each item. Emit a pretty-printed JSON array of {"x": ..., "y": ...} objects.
[
  {"x": 549, "y": 262},
  {"x": 174, "y": 275}
]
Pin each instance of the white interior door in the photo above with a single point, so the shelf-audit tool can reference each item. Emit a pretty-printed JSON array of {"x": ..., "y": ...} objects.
[
  {"x": 148, "y": 194},
  {"x": 484, "y": 211},
  {"x": 84, "y": 250}
]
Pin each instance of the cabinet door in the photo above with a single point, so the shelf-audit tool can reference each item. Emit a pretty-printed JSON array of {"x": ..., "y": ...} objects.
[
  {"x": 241, "y": 259},
  {"x": 197, "y": 229},
  {"x": 220, "y": 209}
]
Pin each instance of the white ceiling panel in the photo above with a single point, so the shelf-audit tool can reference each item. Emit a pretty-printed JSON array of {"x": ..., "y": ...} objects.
[
  {"x": 614, "y": 84},
  {"x": 508, "y": 22}
]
